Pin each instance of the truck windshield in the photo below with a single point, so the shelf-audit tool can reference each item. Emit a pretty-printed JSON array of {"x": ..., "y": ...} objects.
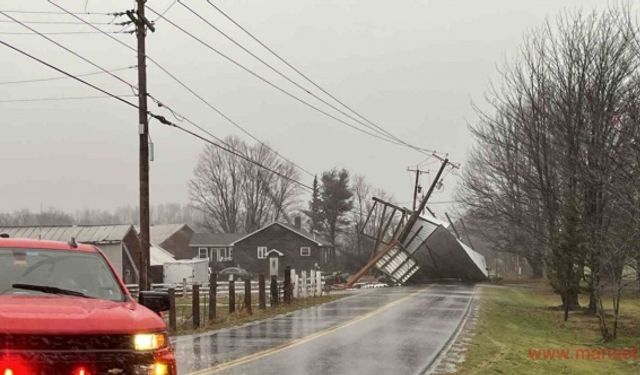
[{"x": 84, "y": 273}]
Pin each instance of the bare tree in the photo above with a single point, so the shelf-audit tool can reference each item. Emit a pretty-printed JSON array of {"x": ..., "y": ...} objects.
[
  {"x": 555, "y": 155},
  {"x": 216, "y": 188},
  {"x": 237, "y": 195}
]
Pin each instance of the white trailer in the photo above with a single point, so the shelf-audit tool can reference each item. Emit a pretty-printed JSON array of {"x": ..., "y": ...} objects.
[{"x": 193, "y": 270}]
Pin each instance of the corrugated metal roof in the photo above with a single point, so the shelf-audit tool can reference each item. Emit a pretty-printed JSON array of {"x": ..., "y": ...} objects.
[{"x": 82, "y": 233}]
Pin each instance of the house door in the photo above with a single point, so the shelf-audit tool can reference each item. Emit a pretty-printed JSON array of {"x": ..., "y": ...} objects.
[{"x": 273, "y": 265}]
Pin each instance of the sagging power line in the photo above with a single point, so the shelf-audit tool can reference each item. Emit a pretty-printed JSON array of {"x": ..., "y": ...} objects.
[
  {"x": 280, "y": 73},
  {"x": 270, "y": 83},
  {"x": 306, "y": 77}
]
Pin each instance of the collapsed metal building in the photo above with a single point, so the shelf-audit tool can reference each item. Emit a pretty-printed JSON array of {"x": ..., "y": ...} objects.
[
  {"x": 408, "y": 246},
  {"x": 426, "y": 251}
]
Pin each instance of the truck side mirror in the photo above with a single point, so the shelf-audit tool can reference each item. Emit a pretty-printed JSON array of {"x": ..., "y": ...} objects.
[{"x": 154, "y": 301}]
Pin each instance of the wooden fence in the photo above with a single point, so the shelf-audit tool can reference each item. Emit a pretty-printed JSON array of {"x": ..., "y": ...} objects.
[
  {"x": 205, "y": 300},
  {"x": 305, "y": 284}
]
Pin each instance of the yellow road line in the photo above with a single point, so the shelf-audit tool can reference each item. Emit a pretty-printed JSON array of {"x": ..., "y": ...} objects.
[{"x": 302, "y": 340}]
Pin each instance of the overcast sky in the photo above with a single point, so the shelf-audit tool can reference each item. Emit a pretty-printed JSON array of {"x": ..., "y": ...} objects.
[{"x": 413, "y": 67}]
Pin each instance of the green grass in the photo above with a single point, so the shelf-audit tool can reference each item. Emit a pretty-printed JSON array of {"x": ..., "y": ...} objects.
[
  {"x": 514, "y": 319},
  {"x": 226, "y": 320}
]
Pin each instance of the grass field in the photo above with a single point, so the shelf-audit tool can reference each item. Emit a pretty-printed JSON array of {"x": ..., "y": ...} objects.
[{"x": 516, "y": 319}]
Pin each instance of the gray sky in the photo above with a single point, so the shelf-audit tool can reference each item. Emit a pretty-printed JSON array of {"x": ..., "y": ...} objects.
[{"x": 413, "y": 67}]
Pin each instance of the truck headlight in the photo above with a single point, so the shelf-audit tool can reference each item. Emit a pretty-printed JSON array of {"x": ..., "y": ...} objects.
[
  {"x": 149, "y": 341},
  {"x": 160, "y": 369}
]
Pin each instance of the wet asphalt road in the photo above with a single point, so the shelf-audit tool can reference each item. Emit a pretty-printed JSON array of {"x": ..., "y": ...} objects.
[{"x": 379, "y": 331}]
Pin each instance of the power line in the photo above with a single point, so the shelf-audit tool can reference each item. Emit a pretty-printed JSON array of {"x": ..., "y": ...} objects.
[
  {"x": 166, "y": 10},
  {"x": 62, "y": 22},
  {"x": 68, "y": 74},
  {"x": 131, "y": 86},
  {"x": 194, "y": 93},
  {"x": 104, "y": 70},
  {"x": 63, "y": 77},
  {"x": 157, "y": 117},
  {"x": 164, "y": 121},
  {"x": 53, "y": 12},
  {"x": 275, "y": 70},
  {"x": 61, "y": 33},
  {"x": 62, "y": 98},
  {"x": 306, "y": 77},
  {"x": 209, "y": 46}
]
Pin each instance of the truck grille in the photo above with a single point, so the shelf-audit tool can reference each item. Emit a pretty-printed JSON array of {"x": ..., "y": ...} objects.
[
  {"x": 96, "y": 363},
  {"x": 67, "y": 342}
]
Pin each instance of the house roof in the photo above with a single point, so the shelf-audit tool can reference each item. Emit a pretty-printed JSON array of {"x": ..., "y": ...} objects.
[
  {"x": 214, "y": 239},
  {"x": 159, "y": 233},
  {"x": 94, "y": 234},
  {"x": 301, "y": 232}
]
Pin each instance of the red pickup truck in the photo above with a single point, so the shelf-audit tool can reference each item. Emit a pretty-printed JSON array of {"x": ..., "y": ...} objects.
[{"x": 64, "y": 311}]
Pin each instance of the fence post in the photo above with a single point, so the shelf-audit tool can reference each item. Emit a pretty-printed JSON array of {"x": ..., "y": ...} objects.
[
  {"x": 319, "y": 282},
  {"x": 247, "y": 295},
  {"x": 304, "y": 284},
  {"x": 213, "y": 294},
  {"x": 172, "y": 310},
  {"x": 184, "y": 287},
  {"x": 312, "y": 277},
  {"x": 232, "y": 295},
  {"x": 262, "y": 298},
  {"x": 274, "y": 291},
  {"x": 195, "y": 305},
  {"x": 287, "y": 285},
  {"x": 296, "y": 284}
]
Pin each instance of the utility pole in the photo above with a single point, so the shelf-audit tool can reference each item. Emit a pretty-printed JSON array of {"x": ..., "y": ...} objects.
[
  {"x": 416, "y": 186},
  {"x": 416, "y": 213},
  {"x": 142, "y": 23}
]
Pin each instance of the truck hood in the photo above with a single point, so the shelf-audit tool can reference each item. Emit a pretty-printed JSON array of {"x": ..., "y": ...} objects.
[{"x": 21, "y": 314}]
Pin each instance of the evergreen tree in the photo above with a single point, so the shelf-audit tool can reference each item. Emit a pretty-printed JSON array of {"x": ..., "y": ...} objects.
[
  {"x": 337, "y": 201},
  {"x": 314, "y": 213}
]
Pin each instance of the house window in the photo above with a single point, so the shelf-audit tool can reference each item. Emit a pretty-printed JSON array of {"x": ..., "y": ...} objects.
[
  {"x": 203, "y": 253},
  {"x": 224, "y": 254},
  {"x": 262, "y": 252},
  {"x": 305, "y": 251}
]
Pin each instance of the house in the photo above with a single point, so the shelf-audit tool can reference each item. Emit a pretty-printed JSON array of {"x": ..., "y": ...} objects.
[
  {"x": 118, "y": 242},
  {"x": 292, "y": 245},
  {"x": 218, "y": 247}
]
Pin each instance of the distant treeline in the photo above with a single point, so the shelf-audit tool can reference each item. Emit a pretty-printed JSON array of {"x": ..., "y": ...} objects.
[{"x": 166, "y": 213}]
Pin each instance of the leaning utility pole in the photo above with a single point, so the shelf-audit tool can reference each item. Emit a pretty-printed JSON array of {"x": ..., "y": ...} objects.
[{"x": 141, "y": 23}]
